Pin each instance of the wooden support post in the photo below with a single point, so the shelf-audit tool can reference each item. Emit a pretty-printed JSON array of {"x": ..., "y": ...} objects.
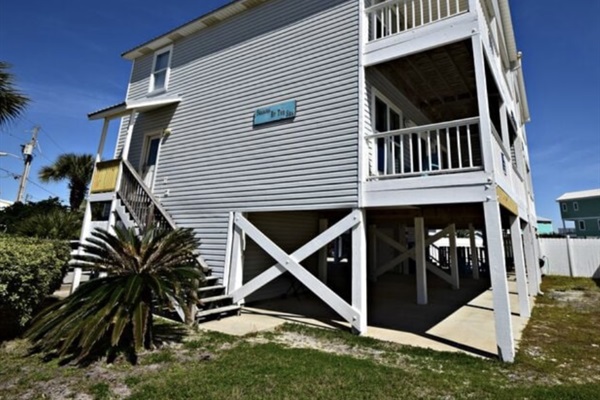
[
  {"x": 102, "y": 140},
  {"x": 517, "y": 248},
  {"x": 421, "y": 271},
  {"x": 530, "y": 261},
  {"x": 127, "y": 144},
  {"x": 236, "y": 277},
  {"x": 537, "y": 251},
  {"x": 372, "y": 253},
  {"x": 359, "y": 274},
  {"x": 402, "y": 240},
  {"x": 474, "y": 252},
  {"x": 454, "y": 259},
  {"x": 323, "y": 253},
  {"x": 77, "y": 272},
  {"x": 495, "y": 242}
]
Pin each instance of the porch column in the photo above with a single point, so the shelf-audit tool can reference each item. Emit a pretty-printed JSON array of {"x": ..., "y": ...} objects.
[
  {"x": 372, "y": 267},
  {"x": 517, "y": 248},
  {"x": 503, "y": 324},
  {"x": 127, "y": 144},
  {"x": 421, "y": 271},
  {"x": 323, "y": 253},
  {"x": 402, "y": 240},
  {"x": 537, "y": 251},
  {"x": 454, "y": 259},
  {"x": 531, "y": 261},
  {"x": 483, "y": 102},
  {"x": 359, "y": 274},
  {"x": 102, "y": 140},
  {"x": 236, "y": 277},
  {"x": 474, "y": 255}
]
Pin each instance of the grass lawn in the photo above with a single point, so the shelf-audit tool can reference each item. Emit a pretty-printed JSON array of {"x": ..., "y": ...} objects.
[{"x": 559, "y": 358}]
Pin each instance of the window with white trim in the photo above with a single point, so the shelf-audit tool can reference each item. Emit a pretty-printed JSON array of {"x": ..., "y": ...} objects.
[
  {"x": 581, "y": 224},
  {"x": 599, "y": 224},
  {"x": 575, "y": 206},
  {"x": 161, "y": 69},
  {"x": 564, "y": 207}
]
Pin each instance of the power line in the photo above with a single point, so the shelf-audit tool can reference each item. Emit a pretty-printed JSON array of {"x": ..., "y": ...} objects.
[
  {"x": 10, "y": 173},
  {"x": 17, "y": 176},
  {"x": 49, "y": 136}
]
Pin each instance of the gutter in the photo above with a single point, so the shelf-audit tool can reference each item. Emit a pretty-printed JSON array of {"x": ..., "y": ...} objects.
[{"x": 514, "y": 56}]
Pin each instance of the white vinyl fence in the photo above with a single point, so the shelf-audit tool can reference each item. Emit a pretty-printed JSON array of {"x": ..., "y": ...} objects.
[{"x": 571, "y": 256}]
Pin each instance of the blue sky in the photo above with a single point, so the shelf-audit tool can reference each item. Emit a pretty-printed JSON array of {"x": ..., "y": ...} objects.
[{"x": 66, "y": 57}]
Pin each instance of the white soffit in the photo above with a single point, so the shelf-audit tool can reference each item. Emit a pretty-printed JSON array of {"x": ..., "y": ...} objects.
[{"x": 192, "y": 27}]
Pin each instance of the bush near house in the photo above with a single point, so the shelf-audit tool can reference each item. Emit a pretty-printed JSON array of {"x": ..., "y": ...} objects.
[
  {"x": 46, "y": 219},
  {"x": 30, "y": 270}
]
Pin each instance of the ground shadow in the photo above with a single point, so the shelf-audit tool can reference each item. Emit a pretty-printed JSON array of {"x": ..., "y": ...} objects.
[{"x": 391, "y": 305}]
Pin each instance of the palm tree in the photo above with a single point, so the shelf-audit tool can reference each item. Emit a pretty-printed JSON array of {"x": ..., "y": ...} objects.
[
  {"x": 77, "y": 168},
  {"x": 159, "y": 266},
  {"x": 12, "y": 102}
]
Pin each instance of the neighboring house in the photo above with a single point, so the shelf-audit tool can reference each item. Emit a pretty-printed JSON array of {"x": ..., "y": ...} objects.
[
  {"x": 274, "y": 127},
  {"x": 544, "y": 226},
  {"x": 5, "y": 203},
  {"x": 583, "y": 208}
]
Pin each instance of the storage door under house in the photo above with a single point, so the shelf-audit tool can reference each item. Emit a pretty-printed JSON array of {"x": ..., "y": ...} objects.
[{"x": 290, "y": 231}]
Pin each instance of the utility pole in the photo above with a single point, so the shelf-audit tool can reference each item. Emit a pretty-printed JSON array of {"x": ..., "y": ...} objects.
[{"x": 27, "y": 157}]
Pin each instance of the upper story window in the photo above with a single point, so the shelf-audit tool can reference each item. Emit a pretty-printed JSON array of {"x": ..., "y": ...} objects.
[
  {"x": 581, "y": 225},
  {"x": 575, "y": 206},
  {"x": 564, "y": 207},
  {"x": 161, "y": 68}
]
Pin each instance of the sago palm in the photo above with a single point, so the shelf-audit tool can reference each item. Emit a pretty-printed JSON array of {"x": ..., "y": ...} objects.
[
  {"x": 157, "y": 267},
  {"x": 77, "y": 169}
]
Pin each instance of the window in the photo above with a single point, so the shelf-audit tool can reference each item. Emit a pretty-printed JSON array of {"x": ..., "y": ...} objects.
[
  {"x": 575, "y": 206},
  {"x": 161, "y": 69},
  {"x": 581, "y": 225},
  {"x": 387, "y": 118},
  {"x": 599, "y": 224},
  {"x": 564, "y": 207}
]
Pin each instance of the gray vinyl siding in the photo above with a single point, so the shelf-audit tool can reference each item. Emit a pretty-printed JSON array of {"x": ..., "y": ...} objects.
[{"x": 215, "y": 161}]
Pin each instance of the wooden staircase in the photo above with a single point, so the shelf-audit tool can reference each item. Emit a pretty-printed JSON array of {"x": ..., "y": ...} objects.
[{"x": 138, "y": 208}]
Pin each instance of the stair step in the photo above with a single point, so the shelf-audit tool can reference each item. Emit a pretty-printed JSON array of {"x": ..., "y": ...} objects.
[
  {"x": 211, "y": 278},
  {"x": 215, "y": 298},
  {"x": 211, "y": 288},
  {"x": 217, "y": 311}
]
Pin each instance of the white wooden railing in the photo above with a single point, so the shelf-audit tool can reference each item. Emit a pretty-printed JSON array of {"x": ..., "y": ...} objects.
[
  {"x": 390, "y": 17},
  {"x": 446, "y": 147}
]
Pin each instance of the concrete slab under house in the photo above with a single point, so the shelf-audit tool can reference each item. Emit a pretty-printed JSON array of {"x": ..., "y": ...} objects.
[{"x": 337, "y": 150}]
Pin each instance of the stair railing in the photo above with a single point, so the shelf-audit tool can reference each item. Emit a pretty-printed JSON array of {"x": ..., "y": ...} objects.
[{"x": 144, "y": 208}]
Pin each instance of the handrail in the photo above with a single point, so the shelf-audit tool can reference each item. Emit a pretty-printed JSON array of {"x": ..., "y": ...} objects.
[
  {"x": 440, "y": 148},
  {"x": 424, "y": 128},
  {"x": 392, "y": 17},
  {"x": 141, "y": 203},
  {"x": 380, "y": 6}
]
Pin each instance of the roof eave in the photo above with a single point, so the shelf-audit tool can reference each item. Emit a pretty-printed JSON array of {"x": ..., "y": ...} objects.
[{"x": 207, "y": 20}]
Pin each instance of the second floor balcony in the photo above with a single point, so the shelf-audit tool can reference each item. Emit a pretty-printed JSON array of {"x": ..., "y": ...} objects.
[{"x": 391, "y": 17}]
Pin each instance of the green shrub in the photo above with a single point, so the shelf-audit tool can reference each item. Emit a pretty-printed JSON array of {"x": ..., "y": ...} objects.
[
  {"x": 55, "y": 224},
  {"x": 30, "y": 270},
  {"x": 12, "y": 217}
]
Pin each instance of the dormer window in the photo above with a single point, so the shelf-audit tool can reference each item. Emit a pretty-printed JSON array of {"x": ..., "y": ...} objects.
[{"x": 161, "y": 69}]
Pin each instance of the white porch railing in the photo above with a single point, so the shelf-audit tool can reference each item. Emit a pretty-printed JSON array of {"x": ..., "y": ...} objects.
[
  {"x": 390, "y": 17},
  {"x": 446, "y": 147}
]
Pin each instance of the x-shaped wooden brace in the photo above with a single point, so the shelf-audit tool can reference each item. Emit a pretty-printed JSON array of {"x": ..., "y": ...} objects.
[
  {"x": 291, "y": 263},
  {"x": 407, "y": 253}
]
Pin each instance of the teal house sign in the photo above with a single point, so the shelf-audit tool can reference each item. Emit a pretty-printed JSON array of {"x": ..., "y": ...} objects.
[{"x": 275, "y": 112}]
